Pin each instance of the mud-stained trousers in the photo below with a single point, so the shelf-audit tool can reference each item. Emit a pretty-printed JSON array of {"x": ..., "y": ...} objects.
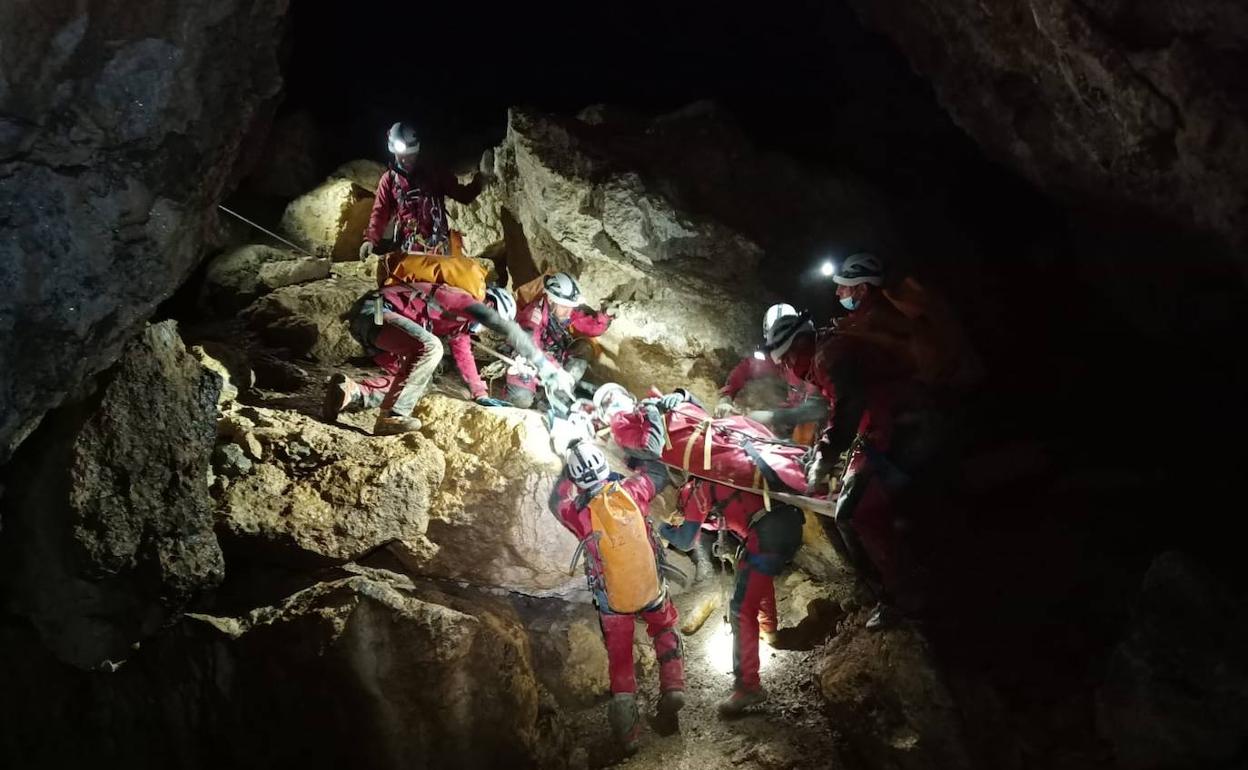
[
  {"x": 772, "y": 544},
  {"x": 409, "y": 358},
  {"x": 617, "y": 634}
]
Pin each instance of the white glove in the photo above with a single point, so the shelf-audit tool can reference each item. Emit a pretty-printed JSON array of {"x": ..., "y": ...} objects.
[
  {"x": 725, "y": 407},
  {"x": 764, "y": 416},
  {"x": 557, "y": 382},
  {"x": 522, "y": 369},
  {"x": 366, "y": 250},
  {"x": 671, "y": 401}
]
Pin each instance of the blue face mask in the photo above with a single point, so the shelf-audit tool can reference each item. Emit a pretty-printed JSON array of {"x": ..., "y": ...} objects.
[{"x": 849, "y": 303}]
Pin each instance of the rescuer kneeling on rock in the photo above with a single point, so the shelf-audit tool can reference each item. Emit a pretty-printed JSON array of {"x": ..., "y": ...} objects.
[
  {"x": 415, "y": 193},
  {"x": 402, "y": 326},
  {"x": 558, "y": 320},
  {"x": 769, "y": 540},
  {"x": 623, "y": 566}
]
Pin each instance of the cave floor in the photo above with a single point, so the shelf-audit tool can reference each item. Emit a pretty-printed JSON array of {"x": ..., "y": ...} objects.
[{"x": 789, "y": 731}]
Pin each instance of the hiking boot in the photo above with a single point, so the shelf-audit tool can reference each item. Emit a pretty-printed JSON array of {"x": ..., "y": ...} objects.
[
  {"x": 702, "y": 567},
  {"x": 340, "y": 394},
  {"x": 670, "y": 704},
  {"x": 393, "y": 424},
  {"x": 740, "y": 700},
  {"x": 625, "y": 720},
  {"x": 883, "y": 617}
]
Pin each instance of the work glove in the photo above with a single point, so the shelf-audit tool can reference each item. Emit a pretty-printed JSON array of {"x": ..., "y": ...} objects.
[
  {"x": 366, "y": 250},
  {"x": 671, "y": 401},
  {"x": 725, "y": 407},
  {"x": 817, "y": 474},
  {"x": 557, "y": 382},
  {"x": 487, "y": 401},
  {"x": 763, "y": 416}
]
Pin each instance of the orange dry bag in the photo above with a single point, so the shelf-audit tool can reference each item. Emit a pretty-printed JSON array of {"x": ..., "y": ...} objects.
[{"x": 629, "y": 571}]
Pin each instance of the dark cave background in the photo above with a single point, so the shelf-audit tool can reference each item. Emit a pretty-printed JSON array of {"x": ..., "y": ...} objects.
[{"x": 1112, "y": 338}]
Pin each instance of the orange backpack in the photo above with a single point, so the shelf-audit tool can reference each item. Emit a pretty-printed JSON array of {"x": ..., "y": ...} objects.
[
  {"x": 629, "y": 571},
  {"x": 455, "y": 269}
]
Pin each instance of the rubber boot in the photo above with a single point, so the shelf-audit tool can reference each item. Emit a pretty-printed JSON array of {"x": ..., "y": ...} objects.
[
  {"x": 741, "y": 699},
  {"x": 667, "y": 714},
  {"x": 702, "y": 566},
  {"x": 393, "y": 424},
  {"x": 340, "y": 395},
  {"x": 625, "y": 720}
]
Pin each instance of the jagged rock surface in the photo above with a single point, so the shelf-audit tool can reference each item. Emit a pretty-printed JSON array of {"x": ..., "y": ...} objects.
[
  {"x": 236, "y": 278},
  {"x": 465, "y": 499},
  {"x": 330, "y": 220},
  {"x": 122, "y": 125},
  {"x": 889, "y": 702},
  {"x": 1130, "y": 103},
  {"x": 366, "y": 669},
  {"x": 108, "y": 525},
  {"x": 306, "y": 320},
  {"x": 1177, "y": 686}
]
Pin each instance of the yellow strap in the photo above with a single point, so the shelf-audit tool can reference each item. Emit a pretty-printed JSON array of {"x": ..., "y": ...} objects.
[
  {"x": 693, "y": 437},
  {"x": 766, "y": 495},
  {"x": 667, "y": 436},
  {"x": 706, "y": 447}
]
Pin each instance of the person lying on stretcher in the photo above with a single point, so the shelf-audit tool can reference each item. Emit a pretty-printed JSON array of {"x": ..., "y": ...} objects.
[{"x": 678, "y": 430}]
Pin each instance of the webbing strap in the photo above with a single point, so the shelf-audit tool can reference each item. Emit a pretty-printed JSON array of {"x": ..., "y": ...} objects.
[
  {"x": 697, "y": 430},
  {"x": 706, "y": 446}
]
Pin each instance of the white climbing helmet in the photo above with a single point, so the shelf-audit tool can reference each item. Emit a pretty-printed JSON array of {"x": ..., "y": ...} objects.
[
  {"x": 782, "y": 333},
  {"x": 562, "y": 289},
  {"x": 775, "y": 313},
  {"x": 611, "y": 399},
  {"x": 402, "y": 139},
  {"x": 587, "y": 464},
  {"x": 504, "y": 303},
  {"x": 577, "y": 426},
  {"x": 860, "y": 268}
]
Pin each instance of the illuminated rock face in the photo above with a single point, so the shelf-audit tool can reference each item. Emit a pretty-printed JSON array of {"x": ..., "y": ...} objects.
[
  {"x": 330, "y": 220},
  {"x": 121, "y": 130},
  {"x": 465, "y": 499}
]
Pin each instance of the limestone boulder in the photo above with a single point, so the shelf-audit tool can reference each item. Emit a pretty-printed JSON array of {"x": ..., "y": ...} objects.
[
  {"x": 329, "y": 221},
  {"x": 121, "y": 131},
  {"x": 678, "y": 222},
  {"x": 362, "y": 669},
  {"x": 108, "y": 522},
  {"x": 889, "y": 701},
  {"x": 236, "y": 278},
  {"x": 307, "y": 320},
  {"x": 466, "y": 498},
  {"x": 1177, "y": 684}
]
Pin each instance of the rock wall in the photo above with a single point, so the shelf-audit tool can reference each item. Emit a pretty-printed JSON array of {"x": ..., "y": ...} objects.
[
  {"x": 1177, "y": 684},
  {"x": 1123, "y": 103},
  {"x": 677, "y": 222},
  {"x": 121, "y": 126},
  {"x": 108, "y": 527}
]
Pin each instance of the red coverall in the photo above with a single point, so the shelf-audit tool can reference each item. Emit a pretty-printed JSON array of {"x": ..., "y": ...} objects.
[
  {"x": 555, "y": 338},
  {"x": 866, "y": 371},
  {"x": 418, "y": 198},
  {"x": 401, "y": 350},
  {"x": 770, "y": 544},
  {"x": 617, "y": 630}
]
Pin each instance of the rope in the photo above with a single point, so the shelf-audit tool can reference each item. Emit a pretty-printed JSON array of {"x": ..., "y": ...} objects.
[{"x": 264, "y": 230}]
